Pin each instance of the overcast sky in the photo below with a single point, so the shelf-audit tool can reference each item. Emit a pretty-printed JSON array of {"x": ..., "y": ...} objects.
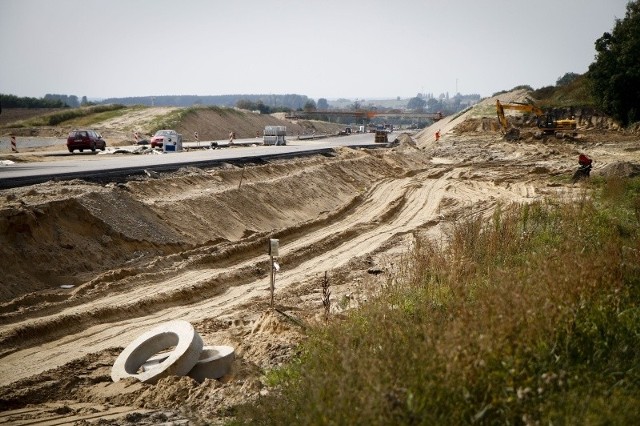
[{"x": 319, "y": 48}]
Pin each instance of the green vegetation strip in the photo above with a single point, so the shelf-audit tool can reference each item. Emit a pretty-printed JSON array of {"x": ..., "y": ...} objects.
[
  {"x": 530, "y": 317},
  {"x": 70, "y": 114}
]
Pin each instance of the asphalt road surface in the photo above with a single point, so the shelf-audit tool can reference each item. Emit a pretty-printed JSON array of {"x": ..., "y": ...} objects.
[{"x": 104, "y": 166}]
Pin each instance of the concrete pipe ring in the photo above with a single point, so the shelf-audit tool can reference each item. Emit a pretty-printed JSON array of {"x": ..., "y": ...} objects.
[
  {"x": 214, "y": 362},
  {"x": 179, "y": 334}
]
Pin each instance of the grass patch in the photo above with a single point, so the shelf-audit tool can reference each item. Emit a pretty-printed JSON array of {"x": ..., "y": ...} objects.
[
  {"x": 99, "y": 117},
  {"x": 173, "y": 119},
  {"x": 574, "y": 94},
  {"x": 530, "y": 317},
  {"x": 66, "y": 115}
]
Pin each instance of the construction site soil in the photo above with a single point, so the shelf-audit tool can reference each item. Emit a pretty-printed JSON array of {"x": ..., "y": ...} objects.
[{"x": 87, "y": 268}]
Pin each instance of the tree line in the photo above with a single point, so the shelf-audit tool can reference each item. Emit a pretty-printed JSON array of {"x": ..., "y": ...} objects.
[
  {"x": 12, "y": 101},
  {"x": 615, "y": 75},
  {"x": 271, "y": 102},
  {"x": 48, "y": 101}
]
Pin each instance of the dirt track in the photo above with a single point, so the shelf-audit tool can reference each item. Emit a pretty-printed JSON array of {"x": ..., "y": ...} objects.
[{"x": 193, "y": 246}]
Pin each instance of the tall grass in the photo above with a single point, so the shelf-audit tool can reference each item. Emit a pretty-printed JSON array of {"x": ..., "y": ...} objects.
[
  {"x": 69, "y": 114},
  {"x": 531, "y": 317}
]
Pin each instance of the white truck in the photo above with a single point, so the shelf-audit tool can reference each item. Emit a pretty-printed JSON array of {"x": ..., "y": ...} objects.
[{"x": 275, "y": 135}]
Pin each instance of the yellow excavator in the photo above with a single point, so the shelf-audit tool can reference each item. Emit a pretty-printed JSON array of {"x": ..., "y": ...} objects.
[{"x": 547, "y": 123}]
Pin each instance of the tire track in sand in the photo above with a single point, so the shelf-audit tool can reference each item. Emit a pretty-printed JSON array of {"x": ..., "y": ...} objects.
[{"x": 419, "y": 197}]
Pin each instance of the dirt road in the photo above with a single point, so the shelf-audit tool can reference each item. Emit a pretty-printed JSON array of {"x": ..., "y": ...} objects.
[{"x": 192, "y": 246}]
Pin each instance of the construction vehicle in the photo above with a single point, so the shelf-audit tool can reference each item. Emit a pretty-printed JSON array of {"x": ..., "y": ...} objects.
[{"x": 547, "y": 123}]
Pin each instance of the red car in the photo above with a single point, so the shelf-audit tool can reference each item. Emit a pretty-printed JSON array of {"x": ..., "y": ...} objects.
[
  {"x": 85, "y": 139},
  {"x": 162, "y": 136}
]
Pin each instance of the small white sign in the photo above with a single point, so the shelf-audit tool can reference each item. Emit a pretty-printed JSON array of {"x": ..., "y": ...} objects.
[{"x": 274, "y": 245}]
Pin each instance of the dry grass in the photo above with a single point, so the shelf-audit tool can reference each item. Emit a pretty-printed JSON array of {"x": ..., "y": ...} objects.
[{"x": 530, "y": 318}]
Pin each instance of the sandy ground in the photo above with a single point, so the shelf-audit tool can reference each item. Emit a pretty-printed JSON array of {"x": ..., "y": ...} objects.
[{"x": 192, "y": 245}]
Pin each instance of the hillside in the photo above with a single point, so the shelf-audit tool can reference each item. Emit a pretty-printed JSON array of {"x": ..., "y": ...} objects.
[{"x": 117, "y": 125}]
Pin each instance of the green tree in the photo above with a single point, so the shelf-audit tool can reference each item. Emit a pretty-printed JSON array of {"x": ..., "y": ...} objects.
[
  {"x": 615, "y": 74},
  {"x": 245, "y": 104},
  {"x": 310, "y": 105},
  {"x": 416, "y": 103},
  {"x": 434, "y": 104},
  {"x": 323, "y": 104},
  {"x": 567, "y": 78}
]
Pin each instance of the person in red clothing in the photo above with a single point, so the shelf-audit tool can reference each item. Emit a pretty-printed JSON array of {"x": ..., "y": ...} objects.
[
  {"x": 438, "y": 135},
  {"x": 584, "y": 169},
  {"x": 584, "y": 161}
]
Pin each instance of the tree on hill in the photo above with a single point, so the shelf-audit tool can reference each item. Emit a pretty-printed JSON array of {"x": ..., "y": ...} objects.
[
  {"x": 310, "y": 105},
  {"x": 567, "y": 78},
  {"x": 69, "y": 100},
  {"x": 13, "y": 101},
  {"x": 615, "y": 75},
  {"x": 416, "y": 104},
  {"x": 323, "y": 104}
]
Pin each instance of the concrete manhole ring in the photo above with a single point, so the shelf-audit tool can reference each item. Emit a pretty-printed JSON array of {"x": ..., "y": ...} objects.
[
  {"x": 179, "y": 334},
  {"x": 214, "y": 362}
]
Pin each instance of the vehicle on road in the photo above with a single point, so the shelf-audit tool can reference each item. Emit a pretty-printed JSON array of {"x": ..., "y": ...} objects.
[
  {"x": 158, "y": 140},
  {"x": 85, "y": 139}
]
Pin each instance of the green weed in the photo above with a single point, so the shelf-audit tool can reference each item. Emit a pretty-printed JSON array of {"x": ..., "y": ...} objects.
[{"x": 66, "y": 115}]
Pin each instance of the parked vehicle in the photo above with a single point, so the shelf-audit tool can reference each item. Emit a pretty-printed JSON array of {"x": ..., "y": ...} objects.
[
  {"x": 85, "y": 139},
  {"x": 158, "y": 140}
]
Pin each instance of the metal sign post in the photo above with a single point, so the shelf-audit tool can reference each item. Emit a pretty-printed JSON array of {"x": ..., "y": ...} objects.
[
  {"x": 195, "y": 135},
  {"x": 273, "y": 253}
]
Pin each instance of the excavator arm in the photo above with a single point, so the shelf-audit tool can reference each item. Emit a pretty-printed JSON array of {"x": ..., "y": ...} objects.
[{"x": 517, "y": 107}]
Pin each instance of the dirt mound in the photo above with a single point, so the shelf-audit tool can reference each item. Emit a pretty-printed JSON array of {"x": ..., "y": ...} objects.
[
  {"x": 70, "y": 233},
  {"x": 72, "y": 237},
  {"x": 620, "y": 169},
  {"x": 212, "y": 124},
  {"x": 482, "y": 124}
]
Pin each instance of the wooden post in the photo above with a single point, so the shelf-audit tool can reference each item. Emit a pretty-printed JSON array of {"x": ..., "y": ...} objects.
[{"x": 273, "y": 253}]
